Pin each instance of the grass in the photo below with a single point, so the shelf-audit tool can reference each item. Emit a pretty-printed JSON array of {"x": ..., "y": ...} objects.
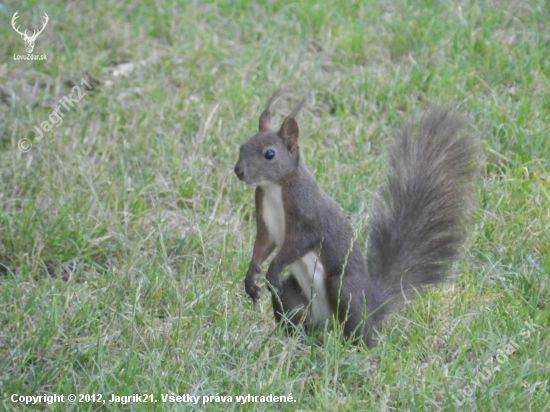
[{"x": 125, "y": 237}]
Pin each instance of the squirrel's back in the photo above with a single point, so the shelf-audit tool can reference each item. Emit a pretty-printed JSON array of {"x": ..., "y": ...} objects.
[{"x": 416, "y": 222}]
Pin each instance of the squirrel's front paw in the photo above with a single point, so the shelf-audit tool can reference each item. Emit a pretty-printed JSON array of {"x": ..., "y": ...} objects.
[
  {"x": 276, "y": 285},
  {"x": 252, "y": 289}
]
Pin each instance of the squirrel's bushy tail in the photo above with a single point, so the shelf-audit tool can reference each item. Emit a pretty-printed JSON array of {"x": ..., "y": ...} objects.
[{"x": 416, "y": 222}]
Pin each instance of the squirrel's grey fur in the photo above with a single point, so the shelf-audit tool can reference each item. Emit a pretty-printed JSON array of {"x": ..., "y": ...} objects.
[{"x": 416, "y": 225}]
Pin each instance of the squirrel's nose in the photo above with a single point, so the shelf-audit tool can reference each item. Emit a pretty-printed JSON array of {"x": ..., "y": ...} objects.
[{"x": 239, "y": 172}]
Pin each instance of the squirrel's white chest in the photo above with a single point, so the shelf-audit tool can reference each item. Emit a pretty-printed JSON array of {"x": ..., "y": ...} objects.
[
  {"x": 273, "y": 213},
  {"x": 308, "y": 270}
]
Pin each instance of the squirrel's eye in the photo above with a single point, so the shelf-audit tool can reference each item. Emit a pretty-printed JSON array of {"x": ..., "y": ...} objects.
[{"x": 269, "y": 154}]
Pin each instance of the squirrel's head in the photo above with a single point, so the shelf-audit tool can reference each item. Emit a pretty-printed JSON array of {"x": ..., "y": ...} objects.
[{"x": 270, "y": 156}]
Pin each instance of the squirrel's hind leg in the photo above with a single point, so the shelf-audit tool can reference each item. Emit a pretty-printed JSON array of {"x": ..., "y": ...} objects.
[
  {"x": 351, "y": 307},
  {"x": 290, "y": 306}
]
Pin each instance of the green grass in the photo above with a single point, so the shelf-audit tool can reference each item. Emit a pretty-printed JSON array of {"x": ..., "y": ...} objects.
[{"x": 125, "y": 236}]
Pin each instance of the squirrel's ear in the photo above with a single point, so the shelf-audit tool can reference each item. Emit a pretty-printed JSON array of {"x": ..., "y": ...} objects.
[
  {"x": 265, "y": 120},
  {"x": 290, "y": 132}
]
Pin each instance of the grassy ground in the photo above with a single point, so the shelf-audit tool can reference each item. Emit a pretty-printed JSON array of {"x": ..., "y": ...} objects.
[{"x": 125, "y": 236}]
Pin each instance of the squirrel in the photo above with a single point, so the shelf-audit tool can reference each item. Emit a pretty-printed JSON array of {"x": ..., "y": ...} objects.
[{"x": 416, "y": 224}]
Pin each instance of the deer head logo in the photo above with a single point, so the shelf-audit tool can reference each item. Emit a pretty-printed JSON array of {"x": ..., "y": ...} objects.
[{"x": 29, "y": 40}]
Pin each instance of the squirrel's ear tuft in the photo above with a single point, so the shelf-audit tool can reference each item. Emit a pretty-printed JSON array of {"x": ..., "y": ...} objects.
[
  {"x": 265, "y": 120},
  {"x": 265, "y": 117},
  {"x": 290, "y": 132}
]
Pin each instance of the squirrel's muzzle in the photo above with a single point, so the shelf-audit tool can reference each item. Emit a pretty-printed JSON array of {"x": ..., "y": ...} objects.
[{"x": 239, "y": 171}]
